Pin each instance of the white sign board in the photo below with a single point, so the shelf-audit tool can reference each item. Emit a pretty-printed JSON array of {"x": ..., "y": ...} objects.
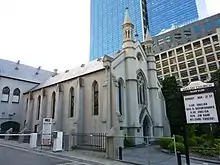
[
  {"x": 47, "y": 131},
  {"x": 200, "y": 108}
]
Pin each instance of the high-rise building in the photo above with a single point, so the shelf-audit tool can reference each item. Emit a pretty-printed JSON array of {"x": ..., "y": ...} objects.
[
  {"x": 107, "y": 17},
  {"x": 166, "y": 14},
  {"x": 189, "y": 53}
]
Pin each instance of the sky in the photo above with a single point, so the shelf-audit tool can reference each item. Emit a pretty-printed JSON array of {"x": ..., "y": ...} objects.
[{"x": 53, "y": 34}]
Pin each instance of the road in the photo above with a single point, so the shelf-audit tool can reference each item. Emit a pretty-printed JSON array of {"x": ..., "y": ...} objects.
[{"x": 13, "y": 156}]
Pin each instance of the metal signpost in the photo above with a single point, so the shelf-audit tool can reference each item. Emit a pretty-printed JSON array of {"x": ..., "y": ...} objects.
[
  {"x": 200, "y": 106},
  {"x": 46, "y": 132}
]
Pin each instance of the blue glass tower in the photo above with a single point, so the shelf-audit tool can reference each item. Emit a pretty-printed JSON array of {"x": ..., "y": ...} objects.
[
  {"x": 106, "y": 19},
  {"x": 163, "y": 14}
]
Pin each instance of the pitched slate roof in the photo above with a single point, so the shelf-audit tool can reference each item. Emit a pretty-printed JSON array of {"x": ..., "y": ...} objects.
[
  {"x": 23, "y": 72},
  {"x": 81, "y": 70}
]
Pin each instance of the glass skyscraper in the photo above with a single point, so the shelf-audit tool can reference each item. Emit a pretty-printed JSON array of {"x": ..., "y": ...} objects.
[
  {"x": 107, "y": 17},
  {"x": 164, "y": 14}
]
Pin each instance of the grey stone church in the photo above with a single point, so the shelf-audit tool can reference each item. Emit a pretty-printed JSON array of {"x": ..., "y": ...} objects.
[{"x": 117, "y": 92}]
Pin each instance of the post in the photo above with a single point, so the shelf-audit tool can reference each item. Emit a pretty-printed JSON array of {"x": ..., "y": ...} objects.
[
  {"x": 179, "y": 161},
  {"x": 186, "y": 143},
  {"x": 174, "y": 144},
  {"x": 120, "y": 153},
  {"x": 33, "y": 140}
]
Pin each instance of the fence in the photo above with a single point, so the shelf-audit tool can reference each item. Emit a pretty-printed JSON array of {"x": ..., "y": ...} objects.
[
  {"x": 89, "y": 141},
  {"x": 147, "y": 150},
  {"x": 21, "y": 138}
]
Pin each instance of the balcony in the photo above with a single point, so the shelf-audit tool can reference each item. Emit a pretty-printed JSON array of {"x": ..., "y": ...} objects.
[
  {"x": 202, "y": 69},
  {"x": 213, "y": 66},
  {"x": 206, "y": 41},
  {"x": 172, "y": 61},
  {"x": 208, "y": 50},
  {"x": 171, "y": 53},
  {"x": 198, "y": 53},
  {"x": 179, "y": 50},
  {"x": 189, "y": 55},
  {"x": 196, "y": 45},
  {"x": 182, "y": 66},
  {"x": 181, "y": 58},
  {"x": 188, "y": 48},
  {"x": 184, "y": 73},
  {"x": 210, "y": 58},
  {"x": 191, "y": 63},
  {"x": 200, "y": 61}
]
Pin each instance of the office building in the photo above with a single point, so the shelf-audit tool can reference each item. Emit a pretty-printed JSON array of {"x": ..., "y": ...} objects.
[
  {"x": 191, "y": 52},
  {"x": 106, "y": 19},
  {"x": 165, "y": 14}
]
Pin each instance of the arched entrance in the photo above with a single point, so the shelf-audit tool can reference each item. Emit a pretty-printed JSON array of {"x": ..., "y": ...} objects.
[{"x": 10, "y": 124}]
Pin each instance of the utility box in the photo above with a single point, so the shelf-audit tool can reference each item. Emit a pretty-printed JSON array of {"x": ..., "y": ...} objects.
[
  {"x": 57, "y": 141},
  {"x": 33, "y": 140}
]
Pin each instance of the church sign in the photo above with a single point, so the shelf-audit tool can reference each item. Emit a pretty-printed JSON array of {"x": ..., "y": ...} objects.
[
  {"x": 46, "y": 132},
  {"x": 199, "y": 100}
]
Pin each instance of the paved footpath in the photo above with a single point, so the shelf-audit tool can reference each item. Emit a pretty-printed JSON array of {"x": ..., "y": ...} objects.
[{"x": 23, "y": 155}]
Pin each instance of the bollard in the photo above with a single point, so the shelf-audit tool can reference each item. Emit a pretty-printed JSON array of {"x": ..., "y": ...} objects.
[
  {"x": 120, "y": 153},
  {"x": 179, "y": 161},
  {"x": 33, "y": 140}
]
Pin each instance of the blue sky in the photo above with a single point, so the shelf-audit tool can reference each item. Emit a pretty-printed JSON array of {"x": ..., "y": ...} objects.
[{"x": 53, "y": 34}]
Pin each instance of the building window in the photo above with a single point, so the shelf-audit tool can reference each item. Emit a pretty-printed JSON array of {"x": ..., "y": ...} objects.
[
  {"x": 38, "y": 107},
  {"x": 95, "y": 98},
  {"x": 197, "y": 29},
  {"x": 218, "y": 23},
  {"x": 71, "y": 107},
  {"x": 53, "y": 104},
  {"x": 16, "y": 96},
  {"x": 5, "y": 94},
  {"x": 141, "y": 85},
  {"x": 120, "y": 96}
]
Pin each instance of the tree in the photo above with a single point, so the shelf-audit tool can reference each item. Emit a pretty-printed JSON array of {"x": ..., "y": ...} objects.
[{"x": 174, "y": 104}]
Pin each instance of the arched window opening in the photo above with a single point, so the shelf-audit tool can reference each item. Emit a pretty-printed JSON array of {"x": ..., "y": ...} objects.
[
  {"x": 120, "y": 97},
  {"x": 141, "y": 89},
  {"x": 16, "y": 96},
  {"x": 71, "y": 107},
  {"x": 95, "y": 98},
  {"x": 38, "y": 107},
  {"x": 53, "y": 104},
  {"x": 5, "y": 94},
  {"x": 27, "y": 105}
]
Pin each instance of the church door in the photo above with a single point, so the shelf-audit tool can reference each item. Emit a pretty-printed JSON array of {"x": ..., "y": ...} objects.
[{"x": 146, "y": 127}]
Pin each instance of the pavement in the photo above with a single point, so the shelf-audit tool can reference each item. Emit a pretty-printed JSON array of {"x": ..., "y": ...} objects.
[
  {"x": 138, "y": 156},
  {"x": 22, "y": 154}
]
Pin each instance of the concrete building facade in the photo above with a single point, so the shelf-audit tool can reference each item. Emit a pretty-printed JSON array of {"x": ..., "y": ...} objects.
[
  {"x": 15, "y": 79},
  {"x": 117, "y": 94}
]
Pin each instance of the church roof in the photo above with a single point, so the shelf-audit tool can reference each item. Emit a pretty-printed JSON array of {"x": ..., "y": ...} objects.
[
  {"x": 23, "y": 72},
  {"x": 84, "y": 69}
]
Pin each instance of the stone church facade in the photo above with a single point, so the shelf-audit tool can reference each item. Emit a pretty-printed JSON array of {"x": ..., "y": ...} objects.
[{"x": 118, "y": 92}]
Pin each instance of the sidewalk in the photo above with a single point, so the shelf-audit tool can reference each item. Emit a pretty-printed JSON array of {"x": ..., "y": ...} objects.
[{"x": 90, "y": 157}]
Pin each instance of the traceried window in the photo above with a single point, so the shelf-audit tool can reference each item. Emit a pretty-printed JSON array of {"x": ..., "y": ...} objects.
[
  {"x": 53, "y": 104},
  {"x": 71, "y": 103},
  {"x": 5, "y": 94},
  {"x": 16, "y": 96},
  {"x": 38, "y": 107},
  {"x": 141, "y": 85},
  {"x": 95, "y": 87}
]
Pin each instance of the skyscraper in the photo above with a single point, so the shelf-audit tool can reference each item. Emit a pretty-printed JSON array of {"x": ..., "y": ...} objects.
[
  {"x": 165, "y": 14},
  {"x": 106, "y": 19}
]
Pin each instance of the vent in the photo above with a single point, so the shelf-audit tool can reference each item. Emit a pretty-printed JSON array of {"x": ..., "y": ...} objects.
[{"x": 82, "y": 65}]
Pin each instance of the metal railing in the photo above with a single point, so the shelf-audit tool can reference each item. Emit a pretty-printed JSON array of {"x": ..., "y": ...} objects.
[{"x": 89, "y": 141}]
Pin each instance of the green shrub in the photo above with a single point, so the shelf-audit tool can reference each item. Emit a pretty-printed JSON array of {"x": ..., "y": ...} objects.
[
  {"x": 205, "y": 136},
  {"x": 217, "y": 141},
  {"x": 164, "y": 142},
  {"x": 128, "y": 142},
  {"x": 179, "y": 147},
  {"x": 192, "y": 142},
  {"x": 199, "y": 140},
  {"x": 179, "y": 138}
]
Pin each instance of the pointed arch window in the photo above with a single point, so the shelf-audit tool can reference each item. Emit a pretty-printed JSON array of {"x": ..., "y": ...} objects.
[
  {"x": 141, "y": 85},
  {"x": 27, "y": 105},
  {"x": 95, "y": 90},
  {"x": 71, "y": 104},
  {"x": 53, "y": 104},
  {"x": 5, "y": 94},
  {"x": 16, "y": 96},
  {"x": 38, "y": 107},
  {"x": 120, "y": 96}
]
